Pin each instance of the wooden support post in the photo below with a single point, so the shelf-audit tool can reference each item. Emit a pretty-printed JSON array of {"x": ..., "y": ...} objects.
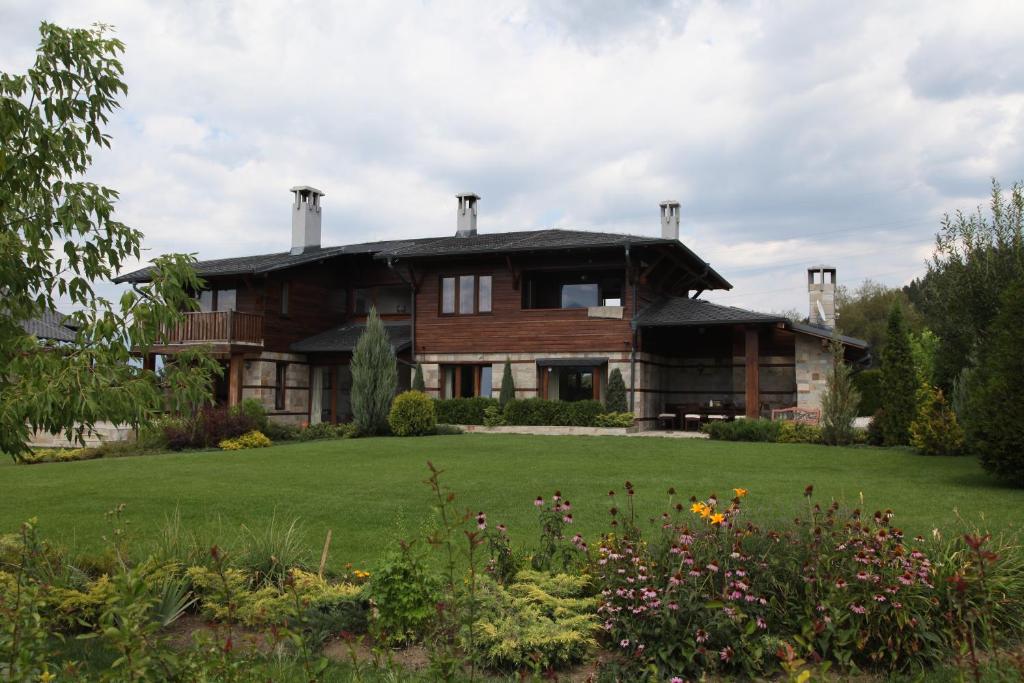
[
  {"x": 235, "y": 369},
  {"x": 753, "y": 397}
]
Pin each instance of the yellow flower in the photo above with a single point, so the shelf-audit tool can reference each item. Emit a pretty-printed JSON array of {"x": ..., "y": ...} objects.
[
  {"x": 698, "y": 507},
  {"x": 717, "y": 518},
  {"x": 46, "y": 676},
  {"x": 705, "y": 512},
  {"x": 740, "y": 492}
]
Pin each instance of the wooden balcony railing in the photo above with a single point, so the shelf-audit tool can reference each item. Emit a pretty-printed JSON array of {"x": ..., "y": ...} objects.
[{"x": 231, "y": 327}]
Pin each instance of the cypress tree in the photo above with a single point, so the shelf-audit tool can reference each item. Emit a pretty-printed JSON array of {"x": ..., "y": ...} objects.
[
  {"x": 374, "y": 377},
  {"x": 841, "y": 400},
  {"x": 615, "y": 395},
  {"x": 417, "y": 380},
  {"x": 508, "y": 386},
  {"x": 900, "y": 383}
]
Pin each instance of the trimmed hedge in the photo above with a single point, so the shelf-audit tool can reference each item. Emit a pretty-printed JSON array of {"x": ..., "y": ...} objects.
[
  {"x": 463, "y": 411},
  {"x": 743, "y": 430},
  {"x": 539, "y": 411}
]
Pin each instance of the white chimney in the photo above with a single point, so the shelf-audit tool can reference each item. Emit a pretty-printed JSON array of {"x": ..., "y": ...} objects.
[
  {"x": 305, "y": 218},
  {"x": 467, "y": 214},
  {"x": 670, "y": 219},
  {"x": 821, "y": 289}
]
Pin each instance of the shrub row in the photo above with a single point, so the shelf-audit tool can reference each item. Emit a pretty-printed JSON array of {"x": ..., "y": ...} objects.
[
  {"x": 529, "y": 412},
  {"x": 764, "y": 431}
]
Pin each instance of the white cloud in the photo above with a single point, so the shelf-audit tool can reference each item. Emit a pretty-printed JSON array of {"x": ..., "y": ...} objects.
[{"x": 791, "y": 133}]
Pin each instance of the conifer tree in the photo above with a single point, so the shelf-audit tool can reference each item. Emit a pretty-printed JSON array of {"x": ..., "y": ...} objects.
[
  {"x": 508, "y": 386},
  {"x": 417, "y": 380},
  {"x": 615, "y": 394},
  {"x": 839, "y": 405},
  {"x": 994, "y": 419},
  {"x": 374, "y": 377},
  {"x": 900, "y": 383}
]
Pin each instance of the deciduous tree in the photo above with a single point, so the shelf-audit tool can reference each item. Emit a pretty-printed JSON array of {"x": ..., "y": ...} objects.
[{"x": 60, "y": 238}]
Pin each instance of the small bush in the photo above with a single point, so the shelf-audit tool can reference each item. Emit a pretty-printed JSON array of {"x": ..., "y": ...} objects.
[
  {"x": 412, "y": 414},
  {"x": 215, "y": 424},
  {"x": 463, "y": 411},
  {"x": 251, "y": 439},
  {"x": 798, "y": 432},
  {"x": 321, "y": 430},
  {"x": 743, "y": 430},
  {"x": 493, "y": 416},
  {"x": 508, "y": 386},
  {"x": 404, "y": 595},
  {"x": 281, "y": 431},
  {"x": 624, "y": 419},
  {"x": 253, "y": 410},
  {"x": 935, "y": 430}
]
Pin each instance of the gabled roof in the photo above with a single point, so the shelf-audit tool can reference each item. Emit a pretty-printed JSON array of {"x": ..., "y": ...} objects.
[
  {"x": 344, "y": 338},
  {"x": 50, "y": 325},
  {"x": 686, "y": 312},
  {"x": 442, "y": 247}
]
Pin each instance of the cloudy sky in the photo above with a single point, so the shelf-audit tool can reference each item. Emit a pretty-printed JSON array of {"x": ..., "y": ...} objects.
[{"x": 792, "y": 133}]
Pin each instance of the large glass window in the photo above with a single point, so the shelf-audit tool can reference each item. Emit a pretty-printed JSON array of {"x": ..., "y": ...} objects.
[
  {"x": 572, "y": 289},
  {"x": 217, "y": 300},
  {"x": 226, "y": 299},
  {"x": 206, "y": 300},
  {"x": 486, "y": 384}
]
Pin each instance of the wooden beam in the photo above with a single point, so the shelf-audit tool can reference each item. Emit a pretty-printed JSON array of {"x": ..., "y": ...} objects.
[
  {"x": 753, "y": 393},
  {"x": 650, "y": 269},
  {"x": 515, "y": 274},
  {"x": 235, "y": 367}
]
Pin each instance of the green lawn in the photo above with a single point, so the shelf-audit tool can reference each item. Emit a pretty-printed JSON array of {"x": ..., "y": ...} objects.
[{"x": 370, "y": 491}]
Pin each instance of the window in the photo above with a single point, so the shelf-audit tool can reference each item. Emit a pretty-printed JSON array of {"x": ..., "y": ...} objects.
[
  {"x": 326, "y": 392},
  {"x": 576, "y": 384},
  {"x": 448, "y": 295},
  {"x": 466, "y": 302},
  {"x": 226, "y": 299},
  {"x": 579, "y": 296},
  {"x": 466, "y": 381},
  {"x": 284, "y": 298},
  {"x": 206, "y": 300},
  {"x": 484, "y": 293},
  {"x": 466, "y": 294},
  {"x": 388, "y": 300},
  {"x": 279, "y": 387},
  {"x": 572, "y": 289}
]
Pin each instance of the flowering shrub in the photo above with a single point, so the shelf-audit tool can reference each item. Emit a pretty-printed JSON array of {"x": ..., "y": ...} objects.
[
  {"x": 712, "y": 591},
  {"x": 251, "y": 439},
  {"x": 554, "y": 550}
]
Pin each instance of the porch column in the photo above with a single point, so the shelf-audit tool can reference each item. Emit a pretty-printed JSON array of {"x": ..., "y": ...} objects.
[
  {"x": 235, "y": 366},
  {"x": 753, "y": 399}
]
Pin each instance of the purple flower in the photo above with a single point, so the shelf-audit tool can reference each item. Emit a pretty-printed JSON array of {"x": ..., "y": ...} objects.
[{"x": 857, "y": 608}]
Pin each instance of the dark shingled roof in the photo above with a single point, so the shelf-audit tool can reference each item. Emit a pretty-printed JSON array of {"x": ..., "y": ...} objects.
[
  {"x": 50, "y": 325},
  {"x": 344, "y": 338},
  {"x": 680, "y": 311},
  {"x": 683, "y": 312},
  {"x": 434, "y": 247}
]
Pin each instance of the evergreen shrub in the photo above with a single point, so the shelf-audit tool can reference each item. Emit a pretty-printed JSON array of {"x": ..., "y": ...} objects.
[{"x": 412, "y": 414}]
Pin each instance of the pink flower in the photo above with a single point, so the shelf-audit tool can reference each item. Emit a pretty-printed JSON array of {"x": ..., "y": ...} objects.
[
  {"x": 675, "y": 679},
  {"x": 567, "y": 519},
  {"x": 761, "y": 624},
  {"x": 481, "y": 520},
  {"x": 702, "y": 636},
  {"x": 624, "y": 643},
  {"x": 857, "y": 608},
  {"x": 726, "y": 654},
  {"x": 539, "y": 501}
]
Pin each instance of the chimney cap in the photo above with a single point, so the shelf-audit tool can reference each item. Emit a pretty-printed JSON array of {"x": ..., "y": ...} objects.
[
  {"x": 669, "y": 202},
  {"x": 467, "y": 195},
  {"x": 307, "y": 188},
  {"x": 822, "y": 267}
]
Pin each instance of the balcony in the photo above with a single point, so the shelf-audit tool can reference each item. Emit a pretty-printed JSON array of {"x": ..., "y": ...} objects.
[{"x": 224, "y": 331}]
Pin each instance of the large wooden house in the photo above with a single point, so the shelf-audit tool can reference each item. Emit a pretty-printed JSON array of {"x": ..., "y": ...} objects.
[{"x": 563, "y": 307}]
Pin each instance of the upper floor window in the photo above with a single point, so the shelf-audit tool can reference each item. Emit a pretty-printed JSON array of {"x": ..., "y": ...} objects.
[
  {"x": 388, "y": 300},
  {"x": 217, "y": 300},
  {"x": 467, "y": 294},
  {"x": 572, "y": 289}
]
